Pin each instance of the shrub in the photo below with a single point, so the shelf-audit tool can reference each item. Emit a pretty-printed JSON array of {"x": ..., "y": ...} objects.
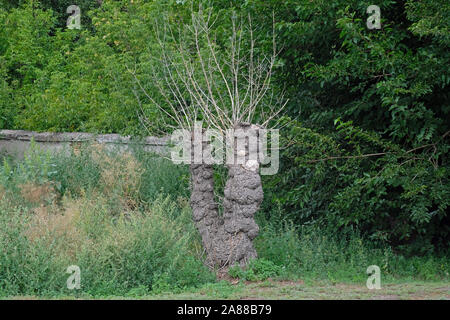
[
  {"x": 398, "y": 197},
  {"x": 257, "y": 270},
  {"x": 154, "y": 249},
  {"x": 121, "y": 248},
  {"x": 312, "y": 252}
]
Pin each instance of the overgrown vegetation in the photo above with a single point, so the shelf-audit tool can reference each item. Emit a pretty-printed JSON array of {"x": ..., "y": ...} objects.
[
  {"x": 122, "y": 239},
  {"x": 367, "y": 124},
  {"x": 83, "y": 208}
]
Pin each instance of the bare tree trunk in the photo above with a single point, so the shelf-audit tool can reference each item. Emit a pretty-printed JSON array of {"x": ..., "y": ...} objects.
[
  {"x": 204, "y": 208},
  {"x": 243, "y": 196},
  {"x": 228, "y": 239}
]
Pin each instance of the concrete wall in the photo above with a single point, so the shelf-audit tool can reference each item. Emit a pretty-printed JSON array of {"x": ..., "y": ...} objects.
[{"x": 16, "y": 142}]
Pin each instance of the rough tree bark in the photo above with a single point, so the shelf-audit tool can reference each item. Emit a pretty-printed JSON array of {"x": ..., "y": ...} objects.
[{"x": 227, "y": 239}]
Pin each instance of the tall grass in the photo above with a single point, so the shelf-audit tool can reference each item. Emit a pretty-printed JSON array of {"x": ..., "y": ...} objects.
[
  {"x": 145, "y": 175},
  {"x": 307, "y": 252},
  {"x": 90, "y": 212},
  {"x": 152, "y": 249}
]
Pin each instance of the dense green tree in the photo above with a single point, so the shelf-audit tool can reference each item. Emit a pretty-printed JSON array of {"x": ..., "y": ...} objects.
[{"x": 379, "y": 100}]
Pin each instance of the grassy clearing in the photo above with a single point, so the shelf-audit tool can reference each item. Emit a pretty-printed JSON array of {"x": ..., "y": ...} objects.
[
  {"x": 300, "y": 290},
  {"x": 293, "y": 290},
  {"x": 125, "y": 221}
]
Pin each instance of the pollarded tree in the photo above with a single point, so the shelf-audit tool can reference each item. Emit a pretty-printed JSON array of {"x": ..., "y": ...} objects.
[{"x": 222, "y": 80}]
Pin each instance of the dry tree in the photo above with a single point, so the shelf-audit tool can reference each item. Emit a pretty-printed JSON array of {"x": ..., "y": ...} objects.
[{"x": 225, "y": 84}]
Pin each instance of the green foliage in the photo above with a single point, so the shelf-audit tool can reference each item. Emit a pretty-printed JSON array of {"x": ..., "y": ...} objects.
[
  {"x": 133, "y": 250},
  {"x": 366, "y": 137},
  {"x": 161, "y": 177},
  {"x": 157, "y": 256},
  {"x": 70, "y": 80},
  {"x": 356, "y": 180},
  {"x": 257, "y": 270},
  {"x": 314, "y": 253},
  {"x": 359, "y": 93},
  {"x": 121, "y": 247},
  {"x": 76, "y": 173}
]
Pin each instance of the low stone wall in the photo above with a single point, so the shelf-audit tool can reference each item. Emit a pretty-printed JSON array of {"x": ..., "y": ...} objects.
[{"x": 16, "y": 142}]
